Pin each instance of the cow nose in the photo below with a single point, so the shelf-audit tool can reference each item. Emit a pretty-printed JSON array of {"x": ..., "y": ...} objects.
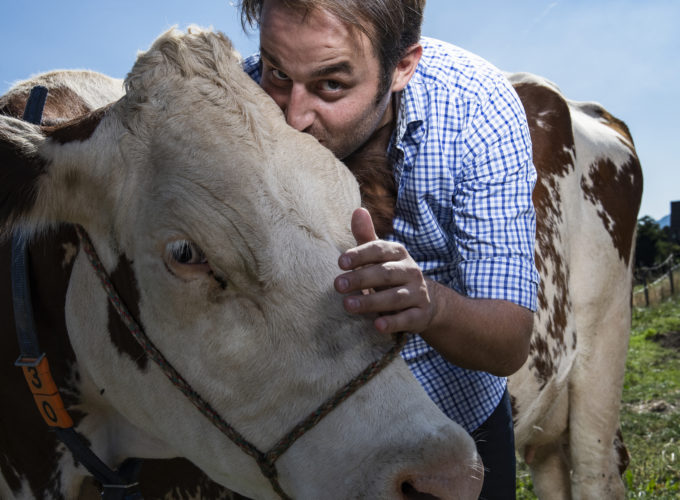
[
  {"x": 442, "y": 483},
  {"x": 409, "y": 492}
]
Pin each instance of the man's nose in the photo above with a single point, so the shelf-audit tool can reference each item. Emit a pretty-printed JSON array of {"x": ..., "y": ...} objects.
[{"x": 299, "y": 109}]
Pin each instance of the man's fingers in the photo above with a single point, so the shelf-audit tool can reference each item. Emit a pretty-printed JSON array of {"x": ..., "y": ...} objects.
[
  {"x": 385, "y": 301},
  {"x": 362, "y": 226},
  {"x": 374, "y": 252},
  {"x": 386, "y": 275},
  {"x": 408, "y": 320}
]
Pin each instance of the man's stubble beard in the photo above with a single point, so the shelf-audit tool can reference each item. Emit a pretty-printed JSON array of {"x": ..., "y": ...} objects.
[{"x": 358, "y": 132}]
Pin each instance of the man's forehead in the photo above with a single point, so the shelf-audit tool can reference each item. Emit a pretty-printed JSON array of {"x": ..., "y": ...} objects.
[
  {"x": 316, "y": 18},
  {"x": 321, "y": 70}
]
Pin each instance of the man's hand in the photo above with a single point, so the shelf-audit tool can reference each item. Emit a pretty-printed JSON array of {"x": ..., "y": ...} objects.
[
  {"x": 400, "y": 292},
  {"x": 477, "y": 334}
]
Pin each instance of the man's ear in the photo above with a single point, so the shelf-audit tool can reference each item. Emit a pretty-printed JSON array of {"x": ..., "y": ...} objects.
[{"x": 406, "y": 67}]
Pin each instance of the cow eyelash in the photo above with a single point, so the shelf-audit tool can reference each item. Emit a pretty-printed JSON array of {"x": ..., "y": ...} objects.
[{"x": 186, "y": 252}]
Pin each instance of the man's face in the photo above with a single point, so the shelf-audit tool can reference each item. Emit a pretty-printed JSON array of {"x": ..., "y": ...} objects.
[{"x": 323, "y": 75}]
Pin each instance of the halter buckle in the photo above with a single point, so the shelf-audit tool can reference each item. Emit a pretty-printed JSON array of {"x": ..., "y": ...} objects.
[{"x": 29, "y": 361}]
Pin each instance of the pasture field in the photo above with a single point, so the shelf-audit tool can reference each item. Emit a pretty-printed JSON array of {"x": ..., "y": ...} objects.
[{"x": 650, "y": 412}]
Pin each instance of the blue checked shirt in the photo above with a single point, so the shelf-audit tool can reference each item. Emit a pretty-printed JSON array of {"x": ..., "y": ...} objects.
[{"x": 462, "y": 162}]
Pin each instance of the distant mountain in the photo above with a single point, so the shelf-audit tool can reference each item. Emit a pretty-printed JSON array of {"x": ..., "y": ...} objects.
[{"x": 664, "y": 221}]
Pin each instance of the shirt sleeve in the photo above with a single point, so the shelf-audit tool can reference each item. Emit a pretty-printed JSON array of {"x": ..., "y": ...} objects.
[{"x": 493, "y": 210}]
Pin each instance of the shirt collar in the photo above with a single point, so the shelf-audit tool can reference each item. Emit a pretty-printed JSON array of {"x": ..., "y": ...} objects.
[{"x": 411, "y": 115}]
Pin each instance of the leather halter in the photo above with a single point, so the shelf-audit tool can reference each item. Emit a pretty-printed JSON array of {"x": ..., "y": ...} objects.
[{"x": 34, "y": 363}]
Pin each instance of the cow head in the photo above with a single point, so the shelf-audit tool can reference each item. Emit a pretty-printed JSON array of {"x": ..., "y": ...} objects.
[{"x": 221, "y": 227}]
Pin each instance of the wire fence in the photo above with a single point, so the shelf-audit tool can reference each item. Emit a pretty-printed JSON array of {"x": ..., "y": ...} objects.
[{"x": 655, "y": 284}]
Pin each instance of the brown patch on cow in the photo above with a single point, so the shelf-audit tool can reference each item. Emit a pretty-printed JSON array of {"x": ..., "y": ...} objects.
[
  {"x": 373, "y": 172},
  {"x": 62, "y": 104},
  {"x": 616, "y": 193},
  {"x": 78, "y": 129},
  {"x": 125, "y": 283},
  {"x": 28, "y": 449},
  {"x": 542, "y": 360},
  {"x": 552, "y": 138}
]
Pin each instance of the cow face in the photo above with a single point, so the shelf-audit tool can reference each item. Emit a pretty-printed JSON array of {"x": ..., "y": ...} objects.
[{"x": 221, "y": 227}]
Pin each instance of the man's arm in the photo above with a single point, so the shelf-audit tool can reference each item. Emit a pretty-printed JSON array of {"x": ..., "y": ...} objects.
[{"x": 478, "y": 334}]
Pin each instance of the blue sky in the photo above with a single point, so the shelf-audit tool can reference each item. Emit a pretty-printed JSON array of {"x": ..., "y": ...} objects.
[{"x": 624, "y": 54}]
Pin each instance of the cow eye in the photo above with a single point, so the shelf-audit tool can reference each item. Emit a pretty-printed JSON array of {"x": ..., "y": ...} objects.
[
  {"x": 185, "y": 259},
  {"x": 185, "y": 252}
]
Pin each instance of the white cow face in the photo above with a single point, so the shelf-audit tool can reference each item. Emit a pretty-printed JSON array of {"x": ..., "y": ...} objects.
[{"x": 221, "y": 226}]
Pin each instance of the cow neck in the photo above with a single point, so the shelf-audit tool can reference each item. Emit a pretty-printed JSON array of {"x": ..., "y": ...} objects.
[
  {"x": 117, "y": 485},
  {"x": 265, "y": 460}
]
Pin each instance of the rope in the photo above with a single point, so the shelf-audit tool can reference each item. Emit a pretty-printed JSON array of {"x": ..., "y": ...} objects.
[
  {"x": 334, "y": 401},
  {"x": 266, "y": 461}
]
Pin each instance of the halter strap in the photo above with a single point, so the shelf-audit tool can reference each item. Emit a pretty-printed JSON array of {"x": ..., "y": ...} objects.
[{"x": 267, "y": 460}]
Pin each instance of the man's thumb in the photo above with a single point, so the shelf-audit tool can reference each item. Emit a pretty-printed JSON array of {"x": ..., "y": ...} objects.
[{"x": 362, "y": 226}]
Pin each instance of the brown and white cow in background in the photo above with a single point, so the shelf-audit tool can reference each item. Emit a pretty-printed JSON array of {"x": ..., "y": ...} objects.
[
  {"x": 566, "y": 397},
  {"x": 221, "y": 227}
]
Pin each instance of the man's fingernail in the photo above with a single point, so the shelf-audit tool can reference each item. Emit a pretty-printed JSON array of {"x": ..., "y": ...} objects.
[
  {"x": 343, "y": 284},
  {"x": 345, "y": 261},
  {"x": 352, "y": 304}
]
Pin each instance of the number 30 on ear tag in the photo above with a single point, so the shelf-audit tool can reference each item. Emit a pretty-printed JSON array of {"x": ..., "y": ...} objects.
[{"x": 46, "y": 395}]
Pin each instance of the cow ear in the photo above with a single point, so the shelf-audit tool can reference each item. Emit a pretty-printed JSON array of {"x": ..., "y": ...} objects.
[
  {"x": 21, "y": 169},
  {"x": 43, "y": 171}
]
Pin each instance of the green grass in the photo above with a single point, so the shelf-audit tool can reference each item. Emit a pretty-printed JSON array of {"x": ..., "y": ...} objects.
[{"x": 650, "y": 411}]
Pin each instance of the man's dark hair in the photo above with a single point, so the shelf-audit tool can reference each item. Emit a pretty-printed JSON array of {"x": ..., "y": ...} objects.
[{"x": 392, "y": 26}]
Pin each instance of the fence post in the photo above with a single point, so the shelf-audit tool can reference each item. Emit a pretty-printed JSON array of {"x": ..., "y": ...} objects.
[
  {"x": 670, "y": 275},
  {"x": 644, "y": 283}
]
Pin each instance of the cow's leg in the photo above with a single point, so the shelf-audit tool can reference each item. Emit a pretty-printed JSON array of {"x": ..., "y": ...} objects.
[
  {"x": 595, "y": 397},
  {"x": 550, "y": 470}
]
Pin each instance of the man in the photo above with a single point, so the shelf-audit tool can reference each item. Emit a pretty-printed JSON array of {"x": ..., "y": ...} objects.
[{"x": 457, "y": 267}]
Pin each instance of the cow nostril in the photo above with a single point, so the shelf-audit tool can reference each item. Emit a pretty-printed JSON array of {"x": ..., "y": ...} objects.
[{"x": 411, "y": 493}]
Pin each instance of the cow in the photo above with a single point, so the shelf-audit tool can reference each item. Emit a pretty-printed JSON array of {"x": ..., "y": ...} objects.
[
  {"x": 566, "y": 398},
  {"x": 191, "y": 201}
]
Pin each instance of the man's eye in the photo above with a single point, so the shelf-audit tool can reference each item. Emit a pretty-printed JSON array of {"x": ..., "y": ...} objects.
[
  {"x": 280, "y": 75},
  {"x": 331, "y": 86}
]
